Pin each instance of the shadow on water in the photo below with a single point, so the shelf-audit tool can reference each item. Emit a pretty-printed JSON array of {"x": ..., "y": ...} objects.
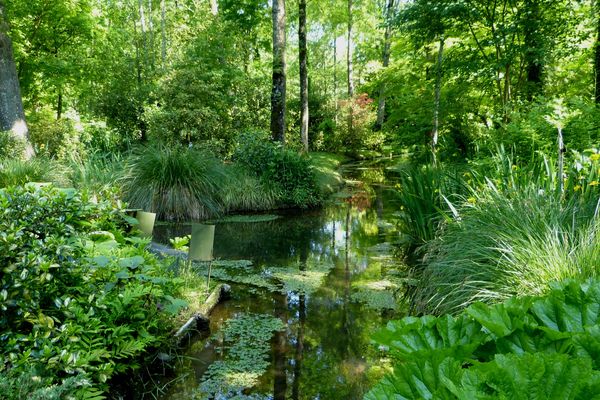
[{"x": 323, "y": 352}]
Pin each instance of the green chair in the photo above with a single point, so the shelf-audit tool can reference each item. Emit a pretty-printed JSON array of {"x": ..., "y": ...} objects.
[
  {"x": 146, "y": 220},
  {"x": 201, "y": 246}
]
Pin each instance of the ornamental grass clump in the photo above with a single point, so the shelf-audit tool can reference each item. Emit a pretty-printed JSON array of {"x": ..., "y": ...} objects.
[
  {"x": 503, "y": 244},
  {"x": 179, "y": 184}
]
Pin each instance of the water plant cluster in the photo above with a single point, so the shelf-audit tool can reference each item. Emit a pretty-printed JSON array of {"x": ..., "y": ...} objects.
[{"x": 247, "y": 340}]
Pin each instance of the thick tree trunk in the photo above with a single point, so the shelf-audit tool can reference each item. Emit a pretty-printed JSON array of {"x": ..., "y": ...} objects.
[
  {"x": 304, "y": 116},
  {"x": 387, "y": 42},
  {"x": 279, "y": 80},
  {"x": 436, "y": 105},
  {"x": 12, "y": 117}
]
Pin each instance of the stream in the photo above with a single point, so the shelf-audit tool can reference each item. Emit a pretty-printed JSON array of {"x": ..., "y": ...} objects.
[{"x": 323, "y": 351}]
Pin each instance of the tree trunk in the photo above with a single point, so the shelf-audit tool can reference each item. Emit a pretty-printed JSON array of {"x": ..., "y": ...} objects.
[
  {"x": 349, "y": 52},
  {"x": 387, "y": 41},
  {"x": 436, "y": 105},
  {"x": 561, "y": 162},
  {"x": 12, "y": 117},
  {"x": 597, "y": 53},
  {"x": 59, "y": 104},
  {"x": 349, "y": 56},
  {"x": 335, "y": 88},
  {"x": 303, "y": 73},
  {"x": 533, "y": 49},
  {"x": 279, "y": 82},
  {"x": 163, "y": 34},
  {"x": 214, "y": 7}
]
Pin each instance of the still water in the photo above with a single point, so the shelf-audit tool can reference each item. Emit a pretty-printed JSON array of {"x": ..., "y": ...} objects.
[{"x": 323, "y": 351}]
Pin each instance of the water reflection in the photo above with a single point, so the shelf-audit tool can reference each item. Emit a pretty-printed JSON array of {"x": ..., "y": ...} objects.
[{"x": 324, "y": 352}]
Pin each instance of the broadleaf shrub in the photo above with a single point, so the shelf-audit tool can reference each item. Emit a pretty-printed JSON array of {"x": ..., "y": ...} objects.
[
  {"x": 81, "y": 301},
  {"x": 284, "y": 170}
]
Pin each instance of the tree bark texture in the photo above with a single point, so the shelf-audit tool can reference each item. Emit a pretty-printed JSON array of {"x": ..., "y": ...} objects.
[
  {"x": 12, "y": 117},
  {"x": 350, "y": 52},
  {"x": 279, "y": 79},
  {"x": 436, "y": 105},
  {"x": 304, "y": 115},
  {"x": 387, "y": 42}
]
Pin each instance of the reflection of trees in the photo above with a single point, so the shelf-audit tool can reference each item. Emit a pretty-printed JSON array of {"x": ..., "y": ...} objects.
[{"x": 280, "y": 349}]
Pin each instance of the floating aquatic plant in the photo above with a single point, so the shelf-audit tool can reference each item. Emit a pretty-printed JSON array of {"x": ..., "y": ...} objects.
[
  {"x": 248, "y": 218},
  {"x": 247, "y": 340}
]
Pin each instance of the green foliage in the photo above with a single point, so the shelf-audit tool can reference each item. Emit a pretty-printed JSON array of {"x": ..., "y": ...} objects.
[
  {"x": 513, "y": 235},
  {"x": 78, "y": 297},
  {"x": 361, "y": 136},
  {"x": 177, "y": 183},
  {"x": 243, "y": 191},
  {"x": 422, "y": 195},
  {"x": 17, "y": 385},
  {"x": 284, "y": 170},
  {"x": 546, "y": 345},
  {"x": 98, "y": 172},
  {"x": 10, "y": 147},
  {"x": 53, "y": 138},
  {"x": 15, "y": 172},
  {"x": 247, "y": 338}
]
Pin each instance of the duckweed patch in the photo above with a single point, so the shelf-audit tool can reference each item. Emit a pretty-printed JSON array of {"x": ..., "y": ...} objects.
[
  {"x": 376, "y": 295},
  {"x": 246, "y": 346}
]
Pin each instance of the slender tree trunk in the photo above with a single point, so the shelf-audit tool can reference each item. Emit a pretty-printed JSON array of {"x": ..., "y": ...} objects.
[
  {"x": 561, "y": 158},
  {"x": 350, "y": 51},
  {"x": 151, "y": 34},
  {"x": 597, "y": 53},
  {"x": 335, "y": 87},
  {"x": 163, "y": 33},
  {"x": 12, "y": 117},
  {"x": 534, "y": 47},
  {"x": 144, "y": 30},
  {"x": 304, "y": 116},
  {"x": 387, "y": 41},
  {"x": 279, "y": 79},
  {"x": 436, "y": 105},
  {"x": 59, "y": 104},
  {"x": 214, "y": 7},
  {"x": 350, "y": 65}
]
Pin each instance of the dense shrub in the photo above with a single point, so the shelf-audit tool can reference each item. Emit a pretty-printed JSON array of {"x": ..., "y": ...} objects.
[
  {"x": 286, "y": 171},
  {"x": 54, "y": 138},
  {"x": 10, "y": 146},
  {"x": 80, "y": 302},
  {"x": 177, "y": 183}
]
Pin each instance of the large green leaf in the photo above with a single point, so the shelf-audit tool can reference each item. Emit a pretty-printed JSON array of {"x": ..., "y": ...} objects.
[
  {"x": 570, "y": 308},
  {"x": 419, "y": 379},
  {"x": 531, "y": 376},
  {"x": 501, "y": 319},
  {"x": 420, "y": 337}
]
